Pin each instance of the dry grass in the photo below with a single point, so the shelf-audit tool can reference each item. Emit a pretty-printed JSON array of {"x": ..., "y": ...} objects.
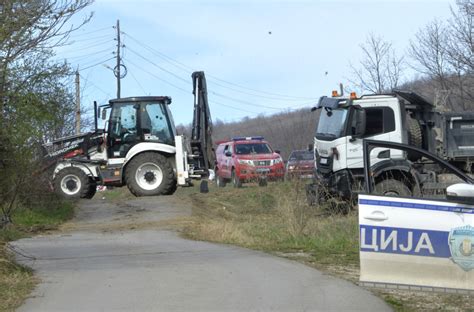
[
  {"x": 277, "y": 220},
  {"x": 16, "y": 282}
]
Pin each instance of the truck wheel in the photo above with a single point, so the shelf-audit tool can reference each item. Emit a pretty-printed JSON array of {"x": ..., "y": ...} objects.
[
  {"x": 415, "y": 137},
  {"x": 392, "y": 187},
  {"x": 92, "y": 188},
  {"x": 220, "y": 180},
  {"x": 149, "y": 174},
  {"x": 71, "y": 182},
  {"x": 235, "y": 179}
]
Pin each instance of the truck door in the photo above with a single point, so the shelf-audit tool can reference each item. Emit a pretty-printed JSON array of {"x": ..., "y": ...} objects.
[
  {"x": 227, "y": 161},
  {"x": 381, "y": 125},
  {"x": 123, "y": 127}
]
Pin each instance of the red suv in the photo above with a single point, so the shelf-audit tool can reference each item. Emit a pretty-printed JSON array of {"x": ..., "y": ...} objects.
[{"x": 245, "y": 159}]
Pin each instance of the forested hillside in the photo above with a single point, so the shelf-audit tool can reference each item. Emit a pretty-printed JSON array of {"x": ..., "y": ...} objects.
[{"x": 285, "y": 131}]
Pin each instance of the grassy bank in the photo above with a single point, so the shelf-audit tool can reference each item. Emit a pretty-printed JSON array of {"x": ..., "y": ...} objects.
[
  {"x": 277, "y": 220},
  {"x": 16, "y": 281}
]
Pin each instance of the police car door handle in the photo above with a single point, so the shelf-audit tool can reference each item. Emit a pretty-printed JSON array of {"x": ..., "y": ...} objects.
[{"x": 376, "y": 215}]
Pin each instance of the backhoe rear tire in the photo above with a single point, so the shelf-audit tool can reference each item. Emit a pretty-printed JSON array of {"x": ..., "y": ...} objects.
[
  {"x": 72, "y": 183},
  {"x": 150, "y": 174}
]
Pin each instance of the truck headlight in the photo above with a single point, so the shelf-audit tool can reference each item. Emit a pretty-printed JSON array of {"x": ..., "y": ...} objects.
[
  {"x": 277, "y": 160},
  {"x": 247, "y": 162}
]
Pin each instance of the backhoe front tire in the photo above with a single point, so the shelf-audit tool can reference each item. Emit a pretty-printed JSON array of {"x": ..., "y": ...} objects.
[
  {"x": 72, "y": 183},
  {"x": 150, "y": 174}
]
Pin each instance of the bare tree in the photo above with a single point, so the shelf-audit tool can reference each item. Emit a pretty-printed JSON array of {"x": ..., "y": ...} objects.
[
  {"x": 380, "y": 69},
  {"x": 430, "y": 54}
]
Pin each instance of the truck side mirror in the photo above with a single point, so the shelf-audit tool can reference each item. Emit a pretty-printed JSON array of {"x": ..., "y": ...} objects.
[
  {"x": 104, "y": 114},
  {"x": 228, "y": 153},
  {"x": 358, "y": 124},
  {"x": 461, "y": 193}
]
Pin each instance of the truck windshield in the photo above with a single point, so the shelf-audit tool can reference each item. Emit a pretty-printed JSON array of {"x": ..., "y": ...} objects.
[
  {"x": 331, "y": 124},
  {"x": 252, "y": 148}
]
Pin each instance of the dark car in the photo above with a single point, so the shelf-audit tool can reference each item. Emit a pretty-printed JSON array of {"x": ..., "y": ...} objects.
[{"x": 300, "y": 164}]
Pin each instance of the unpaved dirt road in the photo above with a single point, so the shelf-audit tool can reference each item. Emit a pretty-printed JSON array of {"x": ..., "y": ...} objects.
[{"x": 124, "y": 257}]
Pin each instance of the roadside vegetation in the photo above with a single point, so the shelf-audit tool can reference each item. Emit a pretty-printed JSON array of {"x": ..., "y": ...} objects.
[
  {"x": 17, "y": 281},
  {"x": 277, "y": 220}
]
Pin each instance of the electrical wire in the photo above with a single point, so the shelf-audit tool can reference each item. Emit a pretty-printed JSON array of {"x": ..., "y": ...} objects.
[
  {"x": 94, "y": 85},
  {"x": 187, "y": 69},
  {"x": 243, "y": 102},
  {"x": 76, "y": 34},
  {"x": 159, "y": 67},
  {"x": 99, "y": 63},
  {"x": 101, "y": 37},
  {"x": 232, "y": 107},
  {"x": 90, "y": 46},
  {"x": 184, "y": 68},
  {"x": 84, "y": 56},
  {"x": 159, "y": 78},
  {"x": 215, "y": 93},
  {"x": 138, "y": 83}
]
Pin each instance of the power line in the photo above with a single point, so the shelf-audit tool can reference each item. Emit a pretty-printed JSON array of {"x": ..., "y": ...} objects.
[
  {"x": 92, "y": 32},
  {"x": 138, "y": 83},
  {"x": 232, "y": 107},
  {"x": 159, "y": 67},
  {"x": 187, "y": 82},
  {"x": 101, "y": 37},
  {"x": 95, "y": 86},
  {"x": 159, "y": 78},
  {"x": 84, "y": 56},
  {"x": 289, "y": 97},
  {"x": 187, "y": 68},
  {"x": 99, "y": 63},
  {"x": 242, "y": 101},
  {"x": 90, "y": 46}
]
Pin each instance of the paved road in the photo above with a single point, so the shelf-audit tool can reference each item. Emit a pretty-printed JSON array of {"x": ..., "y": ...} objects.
[{"x": 118, "y": 257}]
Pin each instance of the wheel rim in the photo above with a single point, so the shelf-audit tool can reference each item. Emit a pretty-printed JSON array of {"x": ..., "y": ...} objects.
[
  {"x": 149, "y": 176},
  {"x": 70, "y": 184},
  {"x": 391, "y": 193}
]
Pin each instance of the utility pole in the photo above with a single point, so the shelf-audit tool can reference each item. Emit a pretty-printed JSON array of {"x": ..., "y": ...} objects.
[
  {"x": 117, "y": 68},
  {"x": 78, "y": 104}
]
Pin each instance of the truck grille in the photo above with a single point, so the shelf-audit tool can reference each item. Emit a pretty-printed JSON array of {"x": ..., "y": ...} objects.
[{"x": 262, "y": 162}]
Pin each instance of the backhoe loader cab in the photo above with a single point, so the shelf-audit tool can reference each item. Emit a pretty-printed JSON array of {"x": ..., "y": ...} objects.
[{"x": 136, "y": 120}]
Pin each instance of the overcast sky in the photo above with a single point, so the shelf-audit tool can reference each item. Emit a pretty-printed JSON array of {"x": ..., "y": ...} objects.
[{"x": 260, "y": 57}]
